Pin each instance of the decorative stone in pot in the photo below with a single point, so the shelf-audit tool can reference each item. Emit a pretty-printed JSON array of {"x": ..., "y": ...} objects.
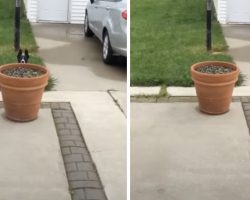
[
  {"x": 214, "y": 82},
  {"x": 22, "y": 86}
]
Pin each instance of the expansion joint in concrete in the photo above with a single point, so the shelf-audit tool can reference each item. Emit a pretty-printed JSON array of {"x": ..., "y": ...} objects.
[{"x": 116, "y": 102}]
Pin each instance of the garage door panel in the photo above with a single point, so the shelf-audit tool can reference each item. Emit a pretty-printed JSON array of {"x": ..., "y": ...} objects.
[
  {"x": 239, "y": 11},
  {"x": 53, "y": 10}
]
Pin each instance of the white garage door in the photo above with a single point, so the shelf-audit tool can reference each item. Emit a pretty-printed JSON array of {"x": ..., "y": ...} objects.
[
  {"x": 239, "y": 11},
  {"x": 53, "y": 10}
]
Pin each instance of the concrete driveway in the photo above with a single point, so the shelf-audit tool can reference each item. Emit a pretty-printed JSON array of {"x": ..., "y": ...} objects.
[
  {"x": 85, "y": 81},
  {"x": 76, "y": 61},
  {"x": 178, "y": 153},
  {"x": 238, "y": 40}
]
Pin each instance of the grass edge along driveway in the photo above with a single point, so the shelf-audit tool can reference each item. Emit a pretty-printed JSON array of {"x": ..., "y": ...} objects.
[
  {"x": 27, "y": 39},
  {"x": 167, "y": 37}
]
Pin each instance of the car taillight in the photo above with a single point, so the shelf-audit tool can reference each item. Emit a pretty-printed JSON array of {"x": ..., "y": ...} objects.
[{"x": 124, "y": 14}]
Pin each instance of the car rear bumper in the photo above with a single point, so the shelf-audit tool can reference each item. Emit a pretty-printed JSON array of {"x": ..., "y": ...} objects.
[{"x": 121, "y": 51}]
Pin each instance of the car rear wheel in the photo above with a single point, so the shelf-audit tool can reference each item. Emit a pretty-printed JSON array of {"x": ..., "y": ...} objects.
[
  {"x": 107, "y": 52},
  {"x": 87, "y": 30}
]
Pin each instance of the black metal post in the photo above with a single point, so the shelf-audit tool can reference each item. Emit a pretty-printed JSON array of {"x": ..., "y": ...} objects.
[
  {"x": 17, "y": 26},
  {"x": 209, "y": 25}
]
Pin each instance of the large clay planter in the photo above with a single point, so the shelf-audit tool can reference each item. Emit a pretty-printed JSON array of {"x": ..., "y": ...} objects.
[
  {"x": 22, "y": 96},
  {"x": 214, "y": 91}
]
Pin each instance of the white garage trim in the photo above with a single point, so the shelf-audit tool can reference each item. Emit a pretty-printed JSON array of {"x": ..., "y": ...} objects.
[
  {"x": 222, "y": 11},
  {"x": 78, "y": 11},
  {"x": 32, "y": 10}
]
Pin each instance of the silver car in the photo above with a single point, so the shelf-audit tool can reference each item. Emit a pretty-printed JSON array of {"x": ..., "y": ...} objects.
[{"x": 107, "y": 19}]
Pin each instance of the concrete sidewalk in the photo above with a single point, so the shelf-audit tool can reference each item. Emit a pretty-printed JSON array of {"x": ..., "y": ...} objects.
[
  {"x": 179, "y": 153},
  {"x": 104, "y": 129},
  {"x": 31, "y": 161}
]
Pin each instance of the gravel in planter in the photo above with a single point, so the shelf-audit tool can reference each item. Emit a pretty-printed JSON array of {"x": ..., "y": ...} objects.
[
  {"x": 22, "y": 72},
  {"x": 214, "y": 69}
]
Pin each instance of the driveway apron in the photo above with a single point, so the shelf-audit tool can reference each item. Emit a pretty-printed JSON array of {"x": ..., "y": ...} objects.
[
  {"x": 238, "y": 40},
  {"x": 76, "y": 61}
]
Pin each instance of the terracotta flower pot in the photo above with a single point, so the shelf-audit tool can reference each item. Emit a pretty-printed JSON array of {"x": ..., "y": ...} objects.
[
  {"x": 214, "y": 91},
  {"x": 22, "y": 96}
]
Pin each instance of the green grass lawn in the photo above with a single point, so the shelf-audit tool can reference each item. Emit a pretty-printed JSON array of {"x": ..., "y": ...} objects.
[
  {"x": 167, "y": 37},
  {"x": 7, "y": 53}
]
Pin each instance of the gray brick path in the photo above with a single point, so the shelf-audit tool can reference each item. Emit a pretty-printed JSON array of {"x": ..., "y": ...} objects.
[
  {"x": 82, "y": 175},
  {"x": 246, "y": 108}
]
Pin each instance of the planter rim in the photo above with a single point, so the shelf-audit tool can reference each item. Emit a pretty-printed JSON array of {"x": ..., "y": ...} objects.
[
  {"x": 26, "y": 65},
  {"x": 237, "y": 70}
]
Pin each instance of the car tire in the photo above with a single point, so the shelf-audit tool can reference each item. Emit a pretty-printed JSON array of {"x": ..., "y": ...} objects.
[
  {"x": 86, "y": 28},
  {"x": 107, "y": 53}
]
